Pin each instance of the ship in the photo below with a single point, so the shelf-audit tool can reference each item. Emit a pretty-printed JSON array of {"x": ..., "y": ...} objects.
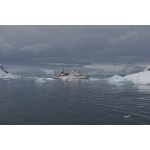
[{"x": 70, "y": 75}]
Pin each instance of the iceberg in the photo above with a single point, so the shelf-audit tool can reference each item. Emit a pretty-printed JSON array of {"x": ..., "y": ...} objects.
[
  {"x": 6, "y": 74},
  {"x": 139, "y": 78},
  {"x": 118, "y": 79},
  {"x": 135, "y": 78}
]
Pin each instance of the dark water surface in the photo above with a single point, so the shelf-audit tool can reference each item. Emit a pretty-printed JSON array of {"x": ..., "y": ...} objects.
[{"x": 56, "y": 102}]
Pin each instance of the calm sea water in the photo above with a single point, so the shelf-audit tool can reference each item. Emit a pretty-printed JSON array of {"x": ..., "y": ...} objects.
[{"x": 86, "y": 102}]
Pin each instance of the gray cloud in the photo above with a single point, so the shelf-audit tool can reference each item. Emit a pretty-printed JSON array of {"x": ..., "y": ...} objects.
[
  {"x": 127, "y": 38},
  {"x": 45, "y": 46}
]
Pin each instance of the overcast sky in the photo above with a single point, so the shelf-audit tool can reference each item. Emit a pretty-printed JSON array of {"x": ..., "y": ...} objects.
[{"x": 84, "y": 47}]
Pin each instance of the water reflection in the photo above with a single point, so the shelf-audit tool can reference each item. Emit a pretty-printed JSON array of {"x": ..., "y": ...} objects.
[
  {"x": 47, "y": 101},
  {"x": 143, "y": 88}
]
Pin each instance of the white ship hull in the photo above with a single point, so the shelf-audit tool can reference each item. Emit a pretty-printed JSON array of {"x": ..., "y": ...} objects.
[{"x": 70, "y": 76}]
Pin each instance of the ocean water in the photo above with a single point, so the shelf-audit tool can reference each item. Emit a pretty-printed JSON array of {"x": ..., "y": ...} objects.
[{"x": 37, "y": 101}]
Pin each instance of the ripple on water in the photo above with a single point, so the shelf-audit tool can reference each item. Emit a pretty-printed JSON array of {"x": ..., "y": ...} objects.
[{"x": 94, "y": 101}]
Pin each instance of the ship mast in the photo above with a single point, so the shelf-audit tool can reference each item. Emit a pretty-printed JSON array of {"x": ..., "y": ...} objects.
[{"x": 63, "y": 69}]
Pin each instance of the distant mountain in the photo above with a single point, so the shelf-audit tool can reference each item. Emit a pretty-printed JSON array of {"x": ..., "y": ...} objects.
[{"x": 5, "y": 74}]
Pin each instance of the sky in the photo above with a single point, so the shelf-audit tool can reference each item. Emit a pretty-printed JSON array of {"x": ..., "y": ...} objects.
[{"x": 90, "y": 49}]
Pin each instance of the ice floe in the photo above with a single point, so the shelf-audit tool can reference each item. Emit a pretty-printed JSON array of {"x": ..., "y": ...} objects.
[{"x": 127, "y": 116}]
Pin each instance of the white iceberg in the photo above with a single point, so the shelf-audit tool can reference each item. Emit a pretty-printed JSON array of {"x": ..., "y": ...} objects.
[
  {"x": 136, "y": 78},
  {"x": 6, "y": 74},
  {"x": 139, "y": 78},
  {"x": 118, "y": 79}
]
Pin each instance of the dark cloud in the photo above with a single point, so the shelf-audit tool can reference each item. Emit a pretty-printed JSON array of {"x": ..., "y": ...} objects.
[{"x": 44, "y": 46}]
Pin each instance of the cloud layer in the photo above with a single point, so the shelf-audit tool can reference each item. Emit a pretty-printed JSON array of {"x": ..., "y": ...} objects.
[{"x": 44, "y": 46}]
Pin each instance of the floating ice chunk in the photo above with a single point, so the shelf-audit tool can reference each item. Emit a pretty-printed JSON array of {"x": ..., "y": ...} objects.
[
  {"x": 40, "y": 80},
  {"x": 93, "y": 79},
  {"x": 49, "y": 79},
  {"x": 127, "y": 116},
  {"x": 118, "y": 79}
]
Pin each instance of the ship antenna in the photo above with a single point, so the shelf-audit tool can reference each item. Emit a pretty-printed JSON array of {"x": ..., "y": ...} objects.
[{"x": 63, "y": 68}]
